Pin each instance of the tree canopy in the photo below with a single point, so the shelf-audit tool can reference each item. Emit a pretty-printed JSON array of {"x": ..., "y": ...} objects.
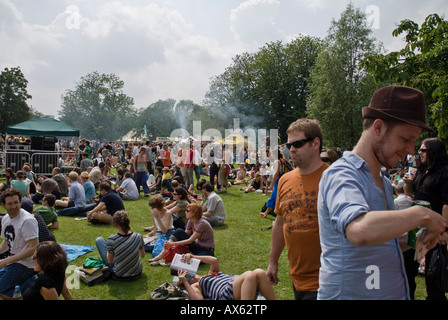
[
  {"x": 98, "y": 107},
  {"x": 327, "y": 79},
  {"x": 422, "y": 64},
  {"x": 339, "y": 85},
  {"x": 267, "y": 88},
  {"x": 13, "y": 97}
]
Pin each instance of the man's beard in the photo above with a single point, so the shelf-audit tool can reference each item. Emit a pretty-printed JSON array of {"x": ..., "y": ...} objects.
[{"x": 379, "y": 150}]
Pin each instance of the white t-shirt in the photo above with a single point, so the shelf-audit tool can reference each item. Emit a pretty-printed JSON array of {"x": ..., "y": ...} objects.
[
  {"x": 18, "y": 231},
  {"x": 130, "y": 187}
]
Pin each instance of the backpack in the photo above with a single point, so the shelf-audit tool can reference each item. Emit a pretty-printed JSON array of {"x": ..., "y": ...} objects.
[{"x": 167, "y": 291}]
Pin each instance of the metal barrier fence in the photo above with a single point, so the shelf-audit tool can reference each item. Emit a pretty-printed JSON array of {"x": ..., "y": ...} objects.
[{"x": 41, "y": 162}]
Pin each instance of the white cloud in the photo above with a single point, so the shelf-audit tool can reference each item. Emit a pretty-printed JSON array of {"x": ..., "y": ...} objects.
[
  {"x": 253, "y": 21},
  {"x": 163, "y": 48}
]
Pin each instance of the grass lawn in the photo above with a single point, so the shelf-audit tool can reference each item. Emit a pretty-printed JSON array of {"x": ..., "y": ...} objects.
[{"x": 242, "y": 244}]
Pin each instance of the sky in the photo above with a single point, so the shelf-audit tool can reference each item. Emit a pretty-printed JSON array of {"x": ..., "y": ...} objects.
[{"x": 166, "y": 48}]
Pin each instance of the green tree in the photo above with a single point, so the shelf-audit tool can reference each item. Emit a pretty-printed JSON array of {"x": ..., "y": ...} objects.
[
  {"x": 13, "y": 97},
  {"x": 158, "y": 118},
  {"x": 98, "y": 107},
  {"x": 422, "y": 64},
  {"x": 267, "y": 88},
  {"x": 340, "y": 86}
]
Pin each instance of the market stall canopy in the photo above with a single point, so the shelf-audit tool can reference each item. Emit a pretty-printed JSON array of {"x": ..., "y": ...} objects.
[
  {"x": 234, "y": 139},
  {"x": 45, "y": 126},
  {"x": 134, "y": 136}
]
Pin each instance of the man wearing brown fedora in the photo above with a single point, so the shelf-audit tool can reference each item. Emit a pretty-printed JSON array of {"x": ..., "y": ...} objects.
[{"x": 359, "y": 226}]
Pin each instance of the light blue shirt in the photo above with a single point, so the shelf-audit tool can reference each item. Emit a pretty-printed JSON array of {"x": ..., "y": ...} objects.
[
  {"x": 89, "y": 190},
  {"x": 77, "y": 194},
  {"x": 348, "y": 271}
]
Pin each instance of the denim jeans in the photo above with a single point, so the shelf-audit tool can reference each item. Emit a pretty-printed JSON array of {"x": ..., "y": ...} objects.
[
  {"x": 101, "y": 245},
  {"x": 76, "y": 211},
  {"x": 15, "y": 274},
  {"x": 140, "y": 180}
]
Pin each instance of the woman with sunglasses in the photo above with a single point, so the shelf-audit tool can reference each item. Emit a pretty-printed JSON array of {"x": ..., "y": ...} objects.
[
  {"x": 178, "y": 207},
  {"x": 429, "y": 184},
  {"x": 198, "y": 235},
  {"x": 50, "y": 261}
]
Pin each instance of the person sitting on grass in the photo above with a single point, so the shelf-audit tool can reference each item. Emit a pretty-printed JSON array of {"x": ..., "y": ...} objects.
[
  {"x": 198, "y": 235},
  {"x": 89, "y": 187},
  {"x": 9, "y": 176},
  {"x": 192, "y": 196},
  {"x": 179, "y": 205},
  {"x": 122, "y": 251},
  {"x": 213, "y": 208},
  {"x": 162, "y": 220},
  {"x": 128, "y": 189},
  {"x": 47, "y": 212},
  {"x": 256, "y": 184},
  {"x": 76, "y": 197},
  {"x": 20, "y": 234},
  {"x": 22, "y": 184},
  {"x": 241, "y": 174},
  {"x": 50, "y": 261},
  {"x": 110, "y": 203},
  {"x": 166, "y": 180},
  {"x": 157, "y": 185},
  {"x": 220, "y": 286}
]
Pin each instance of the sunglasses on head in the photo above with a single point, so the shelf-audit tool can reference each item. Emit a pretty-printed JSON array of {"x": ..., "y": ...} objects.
[{"x": 298, "y": 143}]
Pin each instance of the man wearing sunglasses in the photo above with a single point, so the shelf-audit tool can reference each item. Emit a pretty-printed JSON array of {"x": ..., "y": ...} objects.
[
  {"x": 296, "y": 225},
  {"x": 358, "y": 224}
]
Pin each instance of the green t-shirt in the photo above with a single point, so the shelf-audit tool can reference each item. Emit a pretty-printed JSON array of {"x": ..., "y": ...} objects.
[{"x": 47, "y": 213}]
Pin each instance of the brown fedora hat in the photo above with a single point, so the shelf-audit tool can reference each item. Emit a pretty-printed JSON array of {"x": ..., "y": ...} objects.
[{"x": 398, "y": 103}]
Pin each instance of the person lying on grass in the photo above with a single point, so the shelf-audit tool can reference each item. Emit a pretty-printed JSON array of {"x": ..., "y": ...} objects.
[
  {"x": 220, "y": 286},
  {"x": 198, "y": 235}
]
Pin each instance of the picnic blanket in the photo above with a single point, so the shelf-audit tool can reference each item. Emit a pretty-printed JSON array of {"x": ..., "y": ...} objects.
[{"x": 74, "y": 251}]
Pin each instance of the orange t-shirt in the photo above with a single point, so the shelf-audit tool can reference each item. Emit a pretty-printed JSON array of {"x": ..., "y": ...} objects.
[
  {"x": 297, "y": 204},
  {"x": 167, "y": 160}
]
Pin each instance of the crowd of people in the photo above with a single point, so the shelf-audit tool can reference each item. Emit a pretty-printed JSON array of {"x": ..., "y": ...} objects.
[
  {"x": 183, "y": 214},
  {"x": 339, "y": 222},
  {"x": 340, "y": 216}
]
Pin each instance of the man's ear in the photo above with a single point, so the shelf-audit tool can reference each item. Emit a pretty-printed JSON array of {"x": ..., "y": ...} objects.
[{"x": 379, "y": 127}]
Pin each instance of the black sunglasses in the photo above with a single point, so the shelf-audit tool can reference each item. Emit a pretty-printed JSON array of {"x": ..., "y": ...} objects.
[
  {"x": 298, "y": 143},
  {"x": 422, "y": 150}
]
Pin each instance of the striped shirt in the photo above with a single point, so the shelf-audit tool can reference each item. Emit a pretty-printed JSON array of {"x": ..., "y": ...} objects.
[
  {"x": 126, "y": 250},
  {"x": 207, "y": 238},
  {"x": 217, "y": 286}
]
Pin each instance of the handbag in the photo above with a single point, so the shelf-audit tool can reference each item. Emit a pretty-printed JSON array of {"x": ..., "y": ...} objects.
[
  {"x": 167, "y": 291},
  {"x": 171, "y": 251},
  {"x": 437, "y": 270}
]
